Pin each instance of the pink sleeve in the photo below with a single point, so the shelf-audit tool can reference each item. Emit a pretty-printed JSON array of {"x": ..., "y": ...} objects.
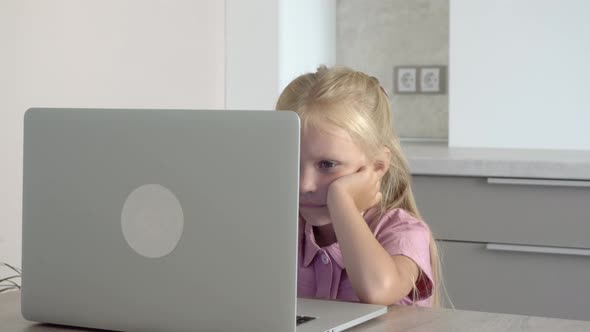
[{"x": 402, "y": 234}]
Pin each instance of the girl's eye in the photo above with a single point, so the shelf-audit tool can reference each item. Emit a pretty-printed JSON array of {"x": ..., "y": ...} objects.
[{"x": 325, "y": 164}]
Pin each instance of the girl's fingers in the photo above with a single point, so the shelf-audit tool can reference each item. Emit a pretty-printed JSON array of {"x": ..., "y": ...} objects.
[{"x": 366, "y": 188}]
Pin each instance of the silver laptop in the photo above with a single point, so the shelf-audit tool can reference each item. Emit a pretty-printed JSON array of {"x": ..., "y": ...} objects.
[{"x": 166, "y": 220}]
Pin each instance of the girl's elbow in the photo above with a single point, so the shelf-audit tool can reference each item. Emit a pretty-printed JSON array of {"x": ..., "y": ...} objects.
[
  {"x": 382, "y": 293},
  {"x": 377, "y": 298}
]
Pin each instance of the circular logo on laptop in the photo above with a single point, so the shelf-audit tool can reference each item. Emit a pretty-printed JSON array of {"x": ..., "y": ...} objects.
[{"x": 152, "y": 220}]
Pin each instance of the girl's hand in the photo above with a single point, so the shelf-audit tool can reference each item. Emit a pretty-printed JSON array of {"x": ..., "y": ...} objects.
[{"x": 362, "y": 188}]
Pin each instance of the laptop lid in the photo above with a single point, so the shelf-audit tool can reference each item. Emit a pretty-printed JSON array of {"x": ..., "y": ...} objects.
[{"x": 160, "y": 219}]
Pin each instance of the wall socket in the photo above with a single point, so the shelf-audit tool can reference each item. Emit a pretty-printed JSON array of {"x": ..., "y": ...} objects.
[
  {"x": 420, "y": 79},
  {"x": 405, "y": 79}
]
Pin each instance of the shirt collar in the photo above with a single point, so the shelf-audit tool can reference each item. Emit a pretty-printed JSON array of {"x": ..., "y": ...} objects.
[{"x": 311, "y": 248}]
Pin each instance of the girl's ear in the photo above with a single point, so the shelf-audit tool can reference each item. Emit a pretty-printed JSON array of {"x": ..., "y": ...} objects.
[{"x": 382, "y": 161}]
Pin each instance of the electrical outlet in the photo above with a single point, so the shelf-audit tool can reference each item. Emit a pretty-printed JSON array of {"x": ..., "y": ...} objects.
[
  {"x": 431, "y": 79},
  {"x": 405, "y": 79}
]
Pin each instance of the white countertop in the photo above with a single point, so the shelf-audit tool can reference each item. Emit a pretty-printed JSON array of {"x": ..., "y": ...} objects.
[
  {"x": 437, "y": 158},
  {"x": 399, "y": 318}
]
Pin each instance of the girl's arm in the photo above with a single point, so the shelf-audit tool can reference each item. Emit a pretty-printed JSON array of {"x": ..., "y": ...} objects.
[{"x": 376, "y": 276}]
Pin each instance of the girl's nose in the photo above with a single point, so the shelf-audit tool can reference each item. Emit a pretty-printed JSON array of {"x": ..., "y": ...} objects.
[{"x": 307, "y": 182}]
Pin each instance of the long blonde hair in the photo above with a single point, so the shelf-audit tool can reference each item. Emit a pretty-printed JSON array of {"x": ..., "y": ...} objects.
[{"x": 357, "y": 103}]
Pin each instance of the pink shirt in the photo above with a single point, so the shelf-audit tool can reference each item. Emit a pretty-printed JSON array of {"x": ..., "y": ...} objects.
[{"x": 321, "y": 272}]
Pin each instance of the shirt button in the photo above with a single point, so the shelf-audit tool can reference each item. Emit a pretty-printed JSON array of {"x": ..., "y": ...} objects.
[{"x": 325, "y": 259}]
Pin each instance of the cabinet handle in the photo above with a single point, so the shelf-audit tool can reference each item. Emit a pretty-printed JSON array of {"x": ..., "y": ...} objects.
[
  {"x": 539, "y": 182},
  {"x": 538, "y": 249}
]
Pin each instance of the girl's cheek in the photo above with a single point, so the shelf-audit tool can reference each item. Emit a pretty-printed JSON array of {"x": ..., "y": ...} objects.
[
  {"x": 345, "y": 172},
  {"x": 328, "y": 178},
  {"x": 332, "y": 177}
]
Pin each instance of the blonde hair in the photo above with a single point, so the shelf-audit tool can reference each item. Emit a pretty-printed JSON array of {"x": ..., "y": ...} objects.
[{"x": 357, "y": 103}]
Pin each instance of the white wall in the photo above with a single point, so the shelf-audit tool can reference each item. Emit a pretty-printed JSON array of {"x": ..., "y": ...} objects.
[
  {"x": 10, "y": 140},
  {"x": 270, "y": 42},
  {"x": 99, "y": 53},
  {"x": 307, "y": 37},
  {"x": 214, "y": 54},
  {"x": 518, "y": 74},
  {"x": 252, "y": 62}
]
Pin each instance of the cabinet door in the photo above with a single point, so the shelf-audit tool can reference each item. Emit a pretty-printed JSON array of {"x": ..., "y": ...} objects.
[
  {"x": 516, "y": 282},
  {"x": 516, "y": 211}
]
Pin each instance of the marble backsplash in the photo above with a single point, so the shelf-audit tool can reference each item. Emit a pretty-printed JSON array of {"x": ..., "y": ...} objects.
[{"x": 375, "y": 36}]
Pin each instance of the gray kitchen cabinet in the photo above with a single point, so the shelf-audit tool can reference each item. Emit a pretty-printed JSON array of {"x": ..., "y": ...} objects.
[
  {"x": 537, "y": 284},
  {"x": 517, "y": 246}
]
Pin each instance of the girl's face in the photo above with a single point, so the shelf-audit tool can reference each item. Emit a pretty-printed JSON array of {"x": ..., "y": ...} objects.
[{"x": 326, "y": 154}]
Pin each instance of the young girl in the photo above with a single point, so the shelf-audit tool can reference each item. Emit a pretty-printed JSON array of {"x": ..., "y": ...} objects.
[{"x": 361, "y": 236}]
